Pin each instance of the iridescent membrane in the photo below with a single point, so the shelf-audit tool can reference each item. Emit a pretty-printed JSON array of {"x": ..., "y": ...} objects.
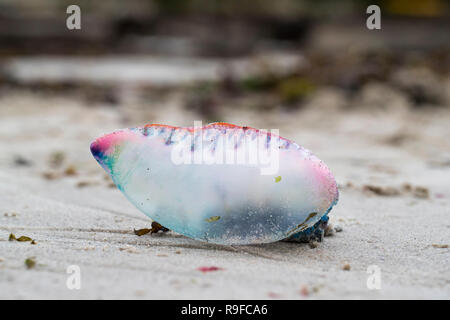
[{"x": 227, "y": 202}]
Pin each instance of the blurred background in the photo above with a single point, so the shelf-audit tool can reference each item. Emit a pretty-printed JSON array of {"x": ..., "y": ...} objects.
[
  {"x": 288, "y": 64},
  {"x": 277, "y": 54},
  {"x": 298, "y": 65},
  {"x": 374, "y": 105}
]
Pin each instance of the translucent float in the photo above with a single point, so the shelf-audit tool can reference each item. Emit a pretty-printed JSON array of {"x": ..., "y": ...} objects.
[{"x": 220, "y": 183}]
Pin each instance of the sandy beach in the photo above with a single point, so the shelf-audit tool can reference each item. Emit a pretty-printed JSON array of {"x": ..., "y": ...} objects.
[{"x": 392, "y": 168}]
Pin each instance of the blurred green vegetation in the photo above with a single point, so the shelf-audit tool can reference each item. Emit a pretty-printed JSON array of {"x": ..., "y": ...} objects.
[{"x": 279, "y": 8}]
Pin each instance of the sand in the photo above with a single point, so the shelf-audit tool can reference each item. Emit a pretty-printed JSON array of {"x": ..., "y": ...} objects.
[{"x": 77, "y": 218}]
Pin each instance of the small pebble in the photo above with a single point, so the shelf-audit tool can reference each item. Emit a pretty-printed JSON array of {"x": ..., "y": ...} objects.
[
  {"x": 346, "y": 267},
  {"x": 22, "y": 162},
  {"x": 12, "y": 214},
  {"x": 82, "y": 184},
  {"x": 70, "y": 171},
  {"x": 381, "y": 191},
  {"x": 129, "y": 249},
  {"x": 407, "y": 187},
  {"x": 337, "y": 228},
  {"x": 421, "y": 193},
  {"x": 313, "y": 244},
  {"x": 49, "y": 175},
  {"x": 329, "y": 231}
]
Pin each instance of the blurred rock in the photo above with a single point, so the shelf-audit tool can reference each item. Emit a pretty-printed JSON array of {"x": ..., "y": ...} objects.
[
  {"x": 327, "y": 99},
  {"x": 382, "y": 97},
  {"x": 422, "y": 85}
]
